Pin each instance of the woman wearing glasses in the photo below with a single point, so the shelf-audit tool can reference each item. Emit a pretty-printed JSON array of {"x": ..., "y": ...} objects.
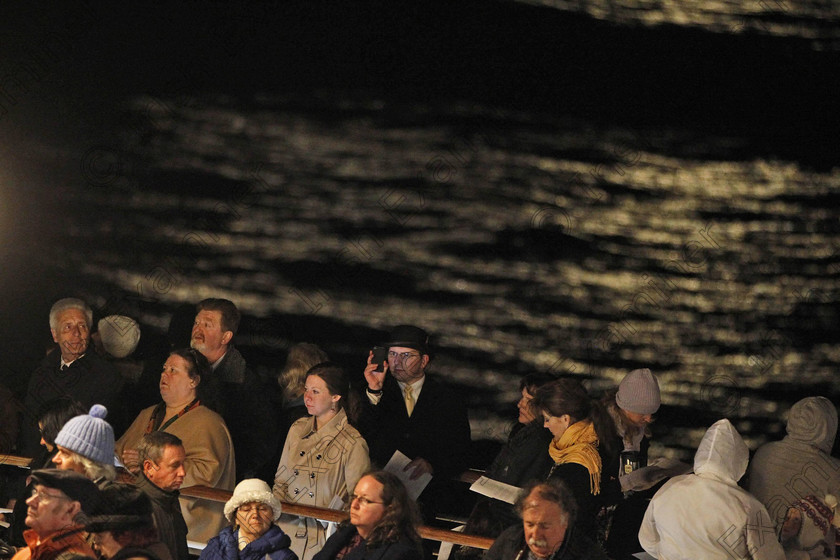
[
  {"x": 323, "y": 458},
  {"x": 210, "y": 458},
  {"x": 383, "y": 523}
]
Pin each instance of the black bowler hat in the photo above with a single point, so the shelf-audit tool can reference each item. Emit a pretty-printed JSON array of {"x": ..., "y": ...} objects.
[
  {"x": 408, "y": 336},
  {"x": 76, "y": 486}
]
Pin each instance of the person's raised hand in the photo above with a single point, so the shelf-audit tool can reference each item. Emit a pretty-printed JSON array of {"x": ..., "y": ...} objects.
[
  {"x": 418, "y": 466},
  {"x": 375, "y": 379},
  {"x": 131, "y": 460}
]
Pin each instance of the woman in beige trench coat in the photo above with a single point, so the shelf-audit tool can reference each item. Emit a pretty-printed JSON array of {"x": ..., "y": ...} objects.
[{"x": 323, "y": 458}]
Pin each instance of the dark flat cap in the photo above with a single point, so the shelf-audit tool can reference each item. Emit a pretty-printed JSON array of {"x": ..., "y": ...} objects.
[
  {"x": 122, "y": 507},
  {"x": 76, "y": 486}
]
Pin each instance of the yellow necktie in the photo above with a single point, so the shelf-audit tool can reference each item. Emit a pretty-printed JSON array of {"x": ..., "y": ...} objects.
[{"x": 409, "y": 400}]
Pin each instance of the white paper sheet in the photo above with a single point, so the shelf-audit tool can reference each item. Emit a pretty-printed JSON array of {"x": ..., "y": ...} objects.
[
  {"x": 495, "y": 489},
  {"x": 415, "y": 487},
  {"x": 445, "y": 549}
]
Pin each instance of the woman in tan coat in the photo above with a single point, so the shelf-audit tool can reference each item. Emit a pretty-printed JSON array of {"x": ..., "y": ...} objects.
[
  {"x": 210, "y": 459},
  {"x": 323, "y": 458}
]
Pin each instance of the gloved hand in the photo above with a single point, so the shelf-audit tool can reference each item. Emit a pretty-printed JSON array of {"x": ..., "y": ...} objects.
[
  {"x": 660, "y": 469},
  {"x": 6, "y": 550}
]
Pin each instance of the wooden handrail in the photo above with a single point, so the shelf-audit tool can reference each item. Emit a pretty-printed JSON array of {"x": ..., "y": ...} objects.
[
  {"x": 324, "y": 514},
  {"x": 14, "y": 460}
]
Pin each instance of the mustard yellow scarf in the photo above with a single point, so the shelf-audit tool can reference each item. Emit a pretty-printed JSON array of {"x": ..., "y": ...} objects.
[{"x": 579, "y": 444}]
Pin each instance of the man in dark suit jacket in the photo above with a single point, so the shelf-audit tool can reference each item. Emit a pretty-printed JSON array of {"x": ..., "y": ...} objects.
[
  {"x": 71, "y": 370},
  {"x": 414, "y": 413}
]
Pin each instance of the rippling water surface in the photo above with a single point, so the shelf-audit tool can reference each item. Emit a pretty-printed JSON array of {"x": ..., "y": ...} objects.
[
  {"x": 522, "y": 242},
  {"x": 520, "y": 239}
]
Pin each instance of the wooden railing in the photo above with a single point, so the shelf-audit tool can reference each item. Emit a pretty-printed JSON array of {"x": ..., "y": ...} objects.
[
  {"x": 323, "y": 514},
  {"x": 15, "y": 461}
]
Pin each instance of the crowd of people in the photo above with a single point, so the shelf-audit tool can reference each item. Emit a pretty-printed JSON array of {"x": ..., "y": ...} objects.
[{"x": 587, "y": 486}]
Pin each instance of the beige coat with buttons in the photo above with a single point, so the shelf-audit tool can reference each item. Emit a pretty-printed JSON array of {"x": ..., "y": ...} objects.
[{"x": 315, "y": 467}]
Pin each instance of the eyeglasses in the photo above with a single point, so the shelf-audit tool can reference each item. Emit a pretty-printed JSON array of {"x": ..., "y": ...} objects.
[
  {"x": 402, "y": 355},
  {"x": 261, "y": 508},
  {"x": 364, "y": 502},
  {"x": 45, "y": 498}
]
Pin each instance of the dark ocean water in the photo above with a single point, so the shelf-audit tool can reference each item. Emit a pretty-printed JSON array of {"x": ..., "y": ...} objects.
[{"x": 528, "y": 221}]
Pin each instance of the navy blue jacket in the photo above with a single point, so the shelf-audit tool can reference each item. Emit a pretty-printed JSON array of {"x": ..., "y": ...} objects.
[{"x": 274, "y": 545}]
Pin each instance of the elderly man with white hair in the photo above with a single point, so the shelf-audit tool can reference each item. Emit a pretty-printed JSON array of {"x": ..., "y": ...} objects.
[{"x": 72, "y": 369}]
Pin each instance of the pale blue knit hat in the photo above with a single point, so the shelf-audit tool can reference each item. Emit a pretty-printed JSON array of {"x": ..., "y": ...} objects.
[{"x": 89, "y": 435}]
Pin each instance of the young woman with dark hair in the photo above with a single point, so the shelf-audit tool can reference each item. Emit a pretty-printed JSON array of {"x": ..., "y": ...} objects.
[
  {"x": 583, "y": 433},
  {"x": 323, "y": 458}
]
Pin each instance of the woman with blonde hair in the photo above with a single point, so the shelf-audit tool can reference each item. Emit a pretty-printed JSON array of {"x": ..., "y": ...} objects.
[{"x": 302, "y": 356}]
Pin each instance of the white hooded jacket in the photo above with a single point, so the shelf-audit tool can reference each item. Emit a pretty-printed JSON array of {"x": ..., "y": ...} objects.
[{"x": 705, "y": 514}]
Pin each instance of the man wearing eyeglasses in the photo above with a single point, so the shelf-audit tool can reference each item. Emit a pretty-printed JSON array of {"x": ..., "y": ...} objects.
[
  {"x": 53, "y": 515},
  {"x": 415, "y": 413}
]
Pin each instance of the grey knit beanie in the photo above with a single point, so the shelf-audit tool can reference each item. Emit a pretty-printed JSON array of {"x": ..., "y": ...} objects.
[
  {"x": 89, "y": 435},
  {"x": 638, "y": 392}
]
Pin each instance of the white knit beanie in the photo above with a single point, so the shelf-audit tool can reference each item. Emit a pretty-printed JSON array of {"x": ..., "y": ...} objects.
[
  {"x": 119, "y": 334},
  {"x": 89, "y": 435},
  {"x": 252, "y": 490},
  {"x": 638, "y": 392}
]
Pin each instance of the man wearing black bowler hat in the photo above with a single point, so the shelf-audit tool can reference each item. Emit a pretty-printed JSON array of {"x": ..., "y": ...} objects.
[{"x": 414, "y": 413}]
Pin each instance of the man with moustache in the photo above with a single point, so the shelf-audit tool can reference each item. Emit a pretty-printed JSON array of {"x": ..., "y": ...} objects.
[
  {"x": 548, "y": 512},
  {"x": 162, "y": 456},
  {"x": 247, "y": 409},
  {"x": 53, "y": 516},
  {"x": 70, "y": 370},
  {"x": 417, "y": 414}
]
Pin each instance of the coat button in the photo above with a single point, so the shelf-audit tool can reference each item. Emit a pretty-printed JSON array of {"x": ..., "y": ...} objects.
[
  {"x": 311, "y": 475},
  {"x": 318, "y": 457},
  {"x": 302, "y": 453},
  {"x": 311, "y": 494},
  {"x": 296, "y": 472},
  {"x": 297, "y": 491}
]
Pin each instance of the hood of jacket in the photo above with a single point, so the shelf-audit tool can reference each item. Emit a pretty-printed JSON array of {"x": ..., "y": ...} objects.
[
  {"x": 813, "y": 421},
  {"x": 722, "y": 453}
]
